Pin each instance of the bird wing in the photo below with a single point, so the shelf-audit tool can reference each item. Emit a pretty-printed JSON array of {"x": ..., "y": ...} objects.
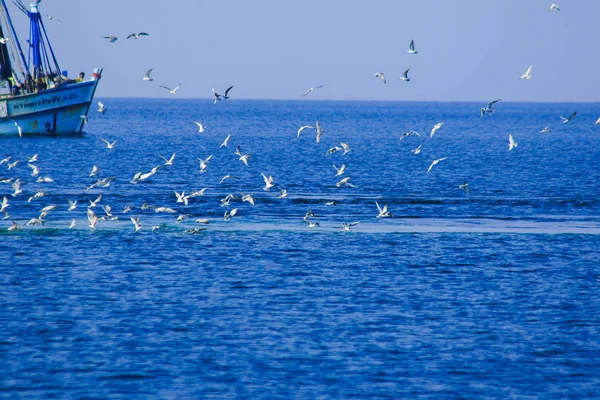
[
  {"x": 169, "y": 89},
  {"x": 431, "y": 166},
  {"x": 100, "y": 104},
  {"x": 529, "y": 70},
  {"x": 572, "y": 115},
  {"x": 405, "y": 74},
  {"x": 132, "y": 35},
  {"x": 143, "y": 34},
  {"x": 148, "y": 72},
  {"x": 412, "y": 45},
  {"x": 228, "y": 89},
  {"x": 379, "y": 208},
  {"x": 491, "y": 103}
]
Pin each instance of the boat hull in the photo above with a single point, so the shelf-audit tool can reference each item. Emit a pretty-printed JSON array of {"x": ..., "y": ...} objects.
[{"x": 56, "y": 111}]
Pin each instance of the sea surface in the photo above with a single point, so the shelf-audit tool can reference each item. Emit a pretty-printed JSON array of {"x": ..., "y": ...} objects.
[{"x": 489, "y": 294}]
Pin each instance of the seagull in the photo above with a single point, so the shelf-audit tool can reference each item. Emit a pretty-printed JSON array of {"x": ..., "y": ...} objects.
[
  {"x": 547, "y": 129},
  {"x": 346, "y": 226},
  {"x": 73, "y": 223},
  {"x": 248, "y": 198},
  {"x": 283, "y": 193},
  {"x": 12, "y": 165},
  {"x": 511, "y": 142},
  {"x": 527, "y": 74},
  {"x": 227, "y": 200},
  {"x": 147, "y": 175},
  {"x": 597, "y": 122},
  {"x": 227, "y": 177},
  {"x": 244, "y": 158},
  {"x": 101, "y": 108},
  {"x": 409, "y": 133},
  {"x": 417, "y": 150},
  {"x": 92, "y": 218},
  {"x": 197, "y": 193},
  {"x": 17, "y": 188},
  {"x": 147, "y": 76},
  {"x": 6, "y": 160},
  {"x": 181, "y": 218},
  {"x": 35, "y": 170},
  {"x": 339, "y": 170},
  {"x": 488, "y": 109},
  {"x": 405, "y": 77},
  {"x": 565, "y": 120},
  {"x": 435, "y": 129},
  {"x": 380, "y": 76},
  {"x": 553, "y": 7},
  {"x": 33, "y": 158},
  {"x": 109, "y": 145},
  {"x": 312, "y": 224},
  {"x": 268, "y": 181},
  {"x": 344, "y": 182},
  {"x": 465, "y": 187},
  {"x": 204, "y": 163},
  {"x": 95, "y": 202},
  {"x": 383, "y": 212},
  {"x": 219, "y": 97},
  {"x": 14, "y": 227},
  {"x": 51, "y": 18},
  {"x": 201, "y": 127},
  {"x": 308, "y": 215},
  {"x": 303, "y": 128},
  {"x": 4, "y": 204},
  {"x": 320, "y": 131},
  {"x": 19, "y": 129},
  {"x": 202, "y": 220},
  {"x": 167, "y": 210},
  {"x": 136, "y": 223},
  {"x": 172, "y": 91},
  {"x": 170, "y": 160},
  {"x": 228, "y": 214},
  {"x": 111, "y": 38},
  {"x": 44, "y": 179},
  {"x": 84, "y": 118},
  {"x": 346, "y": 148},
  {"x": 311, "y": 89},
  {"x": 434, "y": 162},
  {"x": 72, "y": 205},
  {"x": 411, "y": 48},
  {"x": 126, "y": 209},
  {"x": 226, "y": 141},
  {"x": 181, "y": 197},
  {"x": 4, "y": 40},
  {"x": 333, "y": 150},
  {"x": 137, "y": 35}
]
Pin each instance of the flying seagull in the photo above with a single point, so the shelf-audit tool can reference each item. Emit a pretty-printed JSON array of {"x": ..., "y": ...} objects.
[
  {"x": 409, "y": 133},
  {"x": 380, "y": 76},
  {"x": 411, "y": 48},
  {"x": 109, "y": 145},
  {"x": 511, "y": 142},
  {"x": 435, "y": 128},
  {"x": 488, "y": 109},
  {"x": 147, "y": 75},
  {"x": 137, "y": 35},
  {"x": 311, "y": 89},
  {"x": 546, "y": 130},
  {"x": 553, "y": 7},
  {"x": 51, "y": 18},
  {"x": 172, "y": 91},
  {"x": 303, "y": 128},
  {"x": 383, "y": 211},
  {"x": 565, "y": 120},
  {"x": 170, "y": 160},
  {"x": 219, "y": 97},
  {"x": 111, "y": 38},
  {"x": 346, "y": 226},
  {"x": 597, "y": 122},
  {"x": 4, "y": 40},
  {"x": 527, "y": 74},
  {"x": 19, "y": 129},
  {"x": 434, "y": 162},
  {"x": 201, "y": 127},
  {"x": 320, "y": 131},
  {"x": 405, "y": 77},
  {"x": 101, "y": 108},
  {"x": 226, "y": 141},
  {"x": 465, "y": 187}
]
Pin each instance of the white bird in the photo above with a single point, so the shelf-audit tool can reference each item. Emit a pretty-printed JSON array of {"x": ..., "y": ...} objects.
[
  {"x": 303, "y": 128},
  {"x": 311, "y": 89},
  {"x": 167, "y": 210},
  {"x": 181, "y": 197},
  {"x": 152, "y": 172},
  {"x": 94, "y": 171},
  {"x": 565, "y": 120},
  {"x": 202, "y": 221},
  {"x": 553, "y": 7},
  {"x": 12, "y": 165},
  {"x": 4, "y": 40},
  {"x": 435, "y": 129},
  {"x": 73, "y": 223},
  {"x": 111, "y": 38},
  {"x": 380, "y": 76},
  {"x": 5, "y": 160},
  {"x": 17, "y": 187},
  {"x": 92, "y": 218},
  {"x": 597, "y": 122},
  {"x": 33, "y": 158},
  {"x": 109, "y": 145},
  {"x": 268, "y": 181},
  {"x": 14, "y": 227},
  {"x": 197, "y": 193},
  {"x": 346, "y": 148},
  {"x": 126, "y": 209},
  {"x": 101, "y": 108},
  {"x": 136, "y": 223},
  {"x": 332, "y": 150},
  {"x": 38, "y": 195},
  {"x": 248, "y": 197},
  {"x": 4, "y": 204},
  {"x": 170, "y": 160},
  {"x": 72, "y": 205},
  {"x": 320, "y": 131},
  {"x": 409, "y": 133},
  {"x": 411, "y": 48},
  {"x": 511, "y": 142},
  {"x": 219, "y": 97},
  {"x": 527, "y": 74},
  {"x": 84, "y": 118},
  {"x": 227, "y": 177},
  {"x": 35, "y": 169},
  {"x": 346, "y": 226},
  {"x": 201, "y": 128},
  {"x": 172, "y": 91},
  {"x": 95, "y": 202},
  {"x": 244, "y": 158},
  {"x": 44, "y": 179},
  {"x": 339, "y": 170},
  {"x": 19, "y": 129},
  {"x": 488, "y": 109},
  {"x": 465, "y": 187},
  {"x": 383, "y": 212},
  {"x": 137, "y": 35},
  {"x": 547, "y": 129},
  {"x": 311, "y": 224},
  {"x": 344, "y": 182},
  {"x": 434, "y": 162},
  {"x": 417, "y": 150},
  {"x": 181, "y": 218},
  {"x": 228, "y": 214},
  {"x": 204, "y": 163},
  {"x": 226, "y": 141},
  {"x": 51, "y": 18},
  {"x": 147, "y": 76},
  {"x": 227, "y": 200},
  {"x": 405, "y": 77},
  {"x": 282, "y": 193},
  {"x": 6, "y": 216}
]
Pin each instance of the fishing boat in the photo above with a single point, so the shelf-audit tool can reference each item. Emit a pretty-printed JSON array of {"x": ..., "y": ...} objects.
[{"x": 36, "y": 96}]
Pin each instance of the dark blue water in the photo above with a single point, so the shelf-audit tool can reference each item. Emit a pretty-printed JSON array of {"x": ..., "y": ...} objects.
[{"x": 492, "y": 294}]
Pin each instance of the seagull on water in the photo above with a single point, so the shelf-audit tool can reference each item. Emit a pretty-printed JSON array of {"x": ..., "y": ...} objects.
[
  {"x": 511, "y": 142},
  {"x": 435, "y": 129},
  {"x": 172, "y": 91},
  {"x": 566, "y": 120},
  {"x": 147, "y": 76},
  {"x": 405, "y": 77},
  {"x": 201, "y": 128},
  {"x": 527, "y": 74},
  {"x": 346, "y": 226},
  {"x": 109, "y": 145},
  {"x": 303, "y": 128},
  {"x": 411, "y": 48},
  {"x": 219, "y": 97},
  {"x": 380, "y": 76},
  {"x": 434, "y": 162},
  {"x": 383, "y": 212},
  {"x": 553, "y": 7},
  {"x": 226, "y": 141},
  {"x": 488, "y": 109},
  {"x": 137, "y": 35},
  {"x": 311, "y": 89}
]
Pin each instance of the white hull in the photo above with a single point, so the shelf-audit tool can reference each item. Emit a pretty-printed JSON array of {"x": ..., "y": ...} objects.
[{"x": 54, "y": 111}]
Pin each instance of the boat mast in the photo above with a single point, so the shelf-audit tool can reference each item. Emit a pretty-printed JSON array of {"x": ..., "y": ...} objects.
[{"x": 13, "y": 35}]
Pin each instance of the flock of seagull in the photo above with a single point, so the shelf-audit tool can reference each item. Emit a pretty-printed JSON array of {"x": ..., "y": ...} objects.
[{"x": 182, "y": 198}]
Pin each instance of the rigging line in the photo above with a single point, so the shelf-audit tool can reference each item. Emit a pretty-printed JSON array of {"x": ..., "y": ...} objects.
[{"x": 14, "y": 34}]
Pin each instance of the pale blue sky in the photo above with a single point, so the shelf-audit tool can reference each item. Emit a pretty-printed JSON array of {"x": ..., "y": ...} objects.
[{"x": 469, "y": 50}]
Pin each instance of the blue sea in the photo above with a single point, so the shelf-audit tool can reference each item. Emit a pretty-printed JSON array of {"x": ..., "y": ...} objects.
[{"x": 487, "y": 294}]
